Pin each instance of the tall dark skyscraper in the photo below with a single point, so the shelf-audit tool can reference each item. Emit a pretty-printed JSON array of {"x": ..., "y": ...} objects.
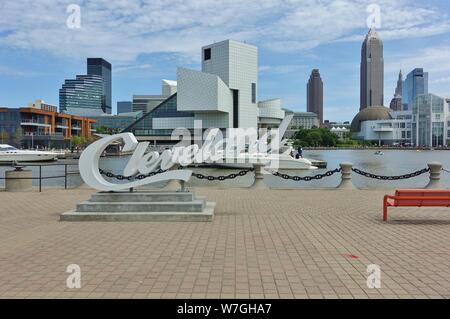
[
  {"x": 372, "y": 71},
  {"x": 314, "y": 91},
  {"x": 99, "y": 66}
]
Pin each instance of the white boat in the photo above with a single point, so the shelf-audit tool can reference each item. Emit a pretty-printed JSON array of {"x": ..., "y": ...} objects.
[
  {"x": 379, "y": 153},
  {"x": 283, "y": 161},
  {"x": 11, "y": 154}
]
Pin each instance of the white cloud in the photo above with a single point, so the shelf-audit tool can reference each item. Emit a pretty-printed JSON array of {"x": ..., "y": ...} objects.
[
  {"x": 125, "y": 68},
  {"x": 281, "y": 69},
  {"x": 121, "y": 30}
]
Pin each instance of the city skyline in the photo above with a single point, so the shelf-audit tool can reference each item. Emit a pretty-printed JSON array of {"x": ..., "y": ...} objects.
[{"x": 417, "y": 39}]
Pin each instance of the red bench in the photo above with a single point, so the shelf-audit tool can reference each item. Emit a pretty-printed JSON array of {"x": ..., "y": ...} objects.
[{"x": 416, "y": 198}]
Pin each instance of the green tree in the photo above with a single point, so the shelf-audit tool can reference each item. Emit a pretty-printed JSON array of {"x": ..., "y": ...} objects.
[
  {"x": 18, "y": 136},
  {"x": 4, "y": 137}
]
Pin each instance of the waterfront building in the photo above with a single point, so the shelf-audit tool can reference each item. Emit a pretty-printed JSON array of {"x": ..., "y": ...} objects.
[
  {"x": 101, "y": 67},
  {"x": 82, "y": 96},
  {"x": 383, "y": 126},
  {"x": 40, "y": 104},
  {"x": 124, "y": 107},
  {"x": 270, "y": 114},
  {"x": 223, "y": 94},
  {"x": 39, "y": 126},
  {"x": 314, "y": 90},
  {"x": 416, "y": 83},
  {"x": 372, "y": 71},
  {"x": 430, "y": 123},
  {"x": 116, "y": 123},
  {"x": 425, "y": 125}
]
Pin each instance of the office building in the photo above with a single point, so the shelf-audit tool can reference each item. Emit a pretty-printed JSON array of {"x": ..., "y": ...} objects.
[
  {"x": 314, "y": 95},
  {"x": 101, "y": 67},
  {"x": 416, "y": 83},
  {"x": 82, "y": 96},
  {"x": 372, "y": 71},
  {"x": 124, "y": 107}
]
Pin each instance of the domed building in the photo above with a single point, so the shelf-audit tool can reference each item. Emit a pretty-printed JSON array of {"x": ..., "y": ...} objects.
[
  {"x": 380, "y": 125},
  {"x": 372, "y": 113}
]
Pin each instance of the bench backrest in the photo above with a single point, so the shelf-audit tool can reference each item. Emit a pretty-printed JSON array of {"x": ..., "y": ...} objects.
[{"x": 422, "y": 193}]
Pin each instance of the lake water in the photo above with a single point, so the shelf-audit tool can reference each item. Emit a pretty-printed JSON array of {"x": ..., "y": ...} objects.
[{"x": 394, "y": 162}]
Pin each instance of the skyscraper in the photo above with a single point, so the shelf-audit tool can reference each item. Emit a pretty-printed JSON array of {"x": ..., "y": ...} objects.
[
  {"x": 396, "y": 102},
  {"x": 101, "y": 67},
  {"x": 314, "y": 90},
  {"x": 416, "y": 83},
  {"x": 372, "y": 71},
  {"x": 82, "y": 96}
]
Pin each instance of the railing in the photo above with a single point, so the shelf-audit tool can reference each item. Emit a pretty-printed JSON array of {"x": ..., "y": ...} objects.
[
  {"x": 346, "y": 170},
  {"x": 40, "y": 178}
]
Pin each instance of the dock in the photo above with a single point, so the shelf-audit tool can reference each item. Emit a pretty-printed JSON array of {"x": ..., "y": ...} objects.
[{"x": 319, "y": 163}]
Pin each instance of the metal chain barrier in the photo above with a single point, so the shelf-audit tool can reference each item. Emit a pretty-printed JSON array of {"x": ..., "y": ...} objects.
[
  {"x": 307, "y": 178},
  {"x": 197, "y": 175},
  {"x": 391, "y": 178},
  {"x": 223, "y": 177},
  {"x": 129, "y": 178},
  {"x": 445, "y": 170}
]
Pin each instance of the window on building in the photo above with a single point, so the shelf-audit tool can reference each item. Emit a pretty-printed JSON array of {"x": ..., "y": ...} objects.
[
  {"x": 208, "y": 54},
  {"x": 253, "y": 92}
]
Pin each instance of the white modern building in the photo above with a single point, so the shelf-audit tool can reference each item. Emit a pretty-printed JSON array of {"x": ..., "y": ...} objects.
[
  {"x": 169, "y": 87},
  {"x": 426, "y": 125},
  {"x": 270, "y": 114},
  {"x": 224, "y": 94}
]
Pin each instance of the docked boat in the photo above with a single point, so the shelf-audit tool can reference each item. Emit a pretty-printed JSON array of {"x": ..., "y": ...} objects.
[
  {"x": 283, "y": 161},
  {"x": 9, "y": 154}
]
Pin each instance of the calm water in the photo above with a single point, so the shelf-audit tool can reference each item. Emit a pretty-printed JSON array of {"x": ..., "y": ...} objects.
[{"x": 392, "y": 163}]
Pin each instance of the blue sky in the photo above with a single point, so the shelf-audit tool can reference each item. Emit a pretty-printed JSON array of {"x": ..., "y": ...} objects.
[{"x": 146, "y": 41}]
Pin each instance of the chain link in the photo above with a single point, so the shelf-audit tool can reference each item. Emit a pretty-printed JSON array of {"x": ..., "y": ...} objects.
[
  {"x": 390, "y": 178},
  {"x": 447, "y": 171},
  {"x": 129, "y": 178},
  {"x": 307, "y": 178},
  {"x": 223, "y": 177}
]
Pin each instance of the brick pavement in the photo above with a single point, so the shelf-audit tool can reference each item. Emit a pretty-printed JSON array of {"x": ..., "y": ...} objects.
[{"x": 261, "y": 244}]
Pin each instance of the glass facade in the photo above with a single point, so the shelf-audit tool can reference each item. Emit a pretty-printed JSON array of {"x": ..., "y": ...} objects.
[
  {"x": 116, "y": 122},
  {"x": 429, "y": 121},
  {"x": 82, "y": 96},
  {"x": 101, "y": 67},
  {"x": 167, "y": 109},
  {"x": 416, "y": 83}
]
